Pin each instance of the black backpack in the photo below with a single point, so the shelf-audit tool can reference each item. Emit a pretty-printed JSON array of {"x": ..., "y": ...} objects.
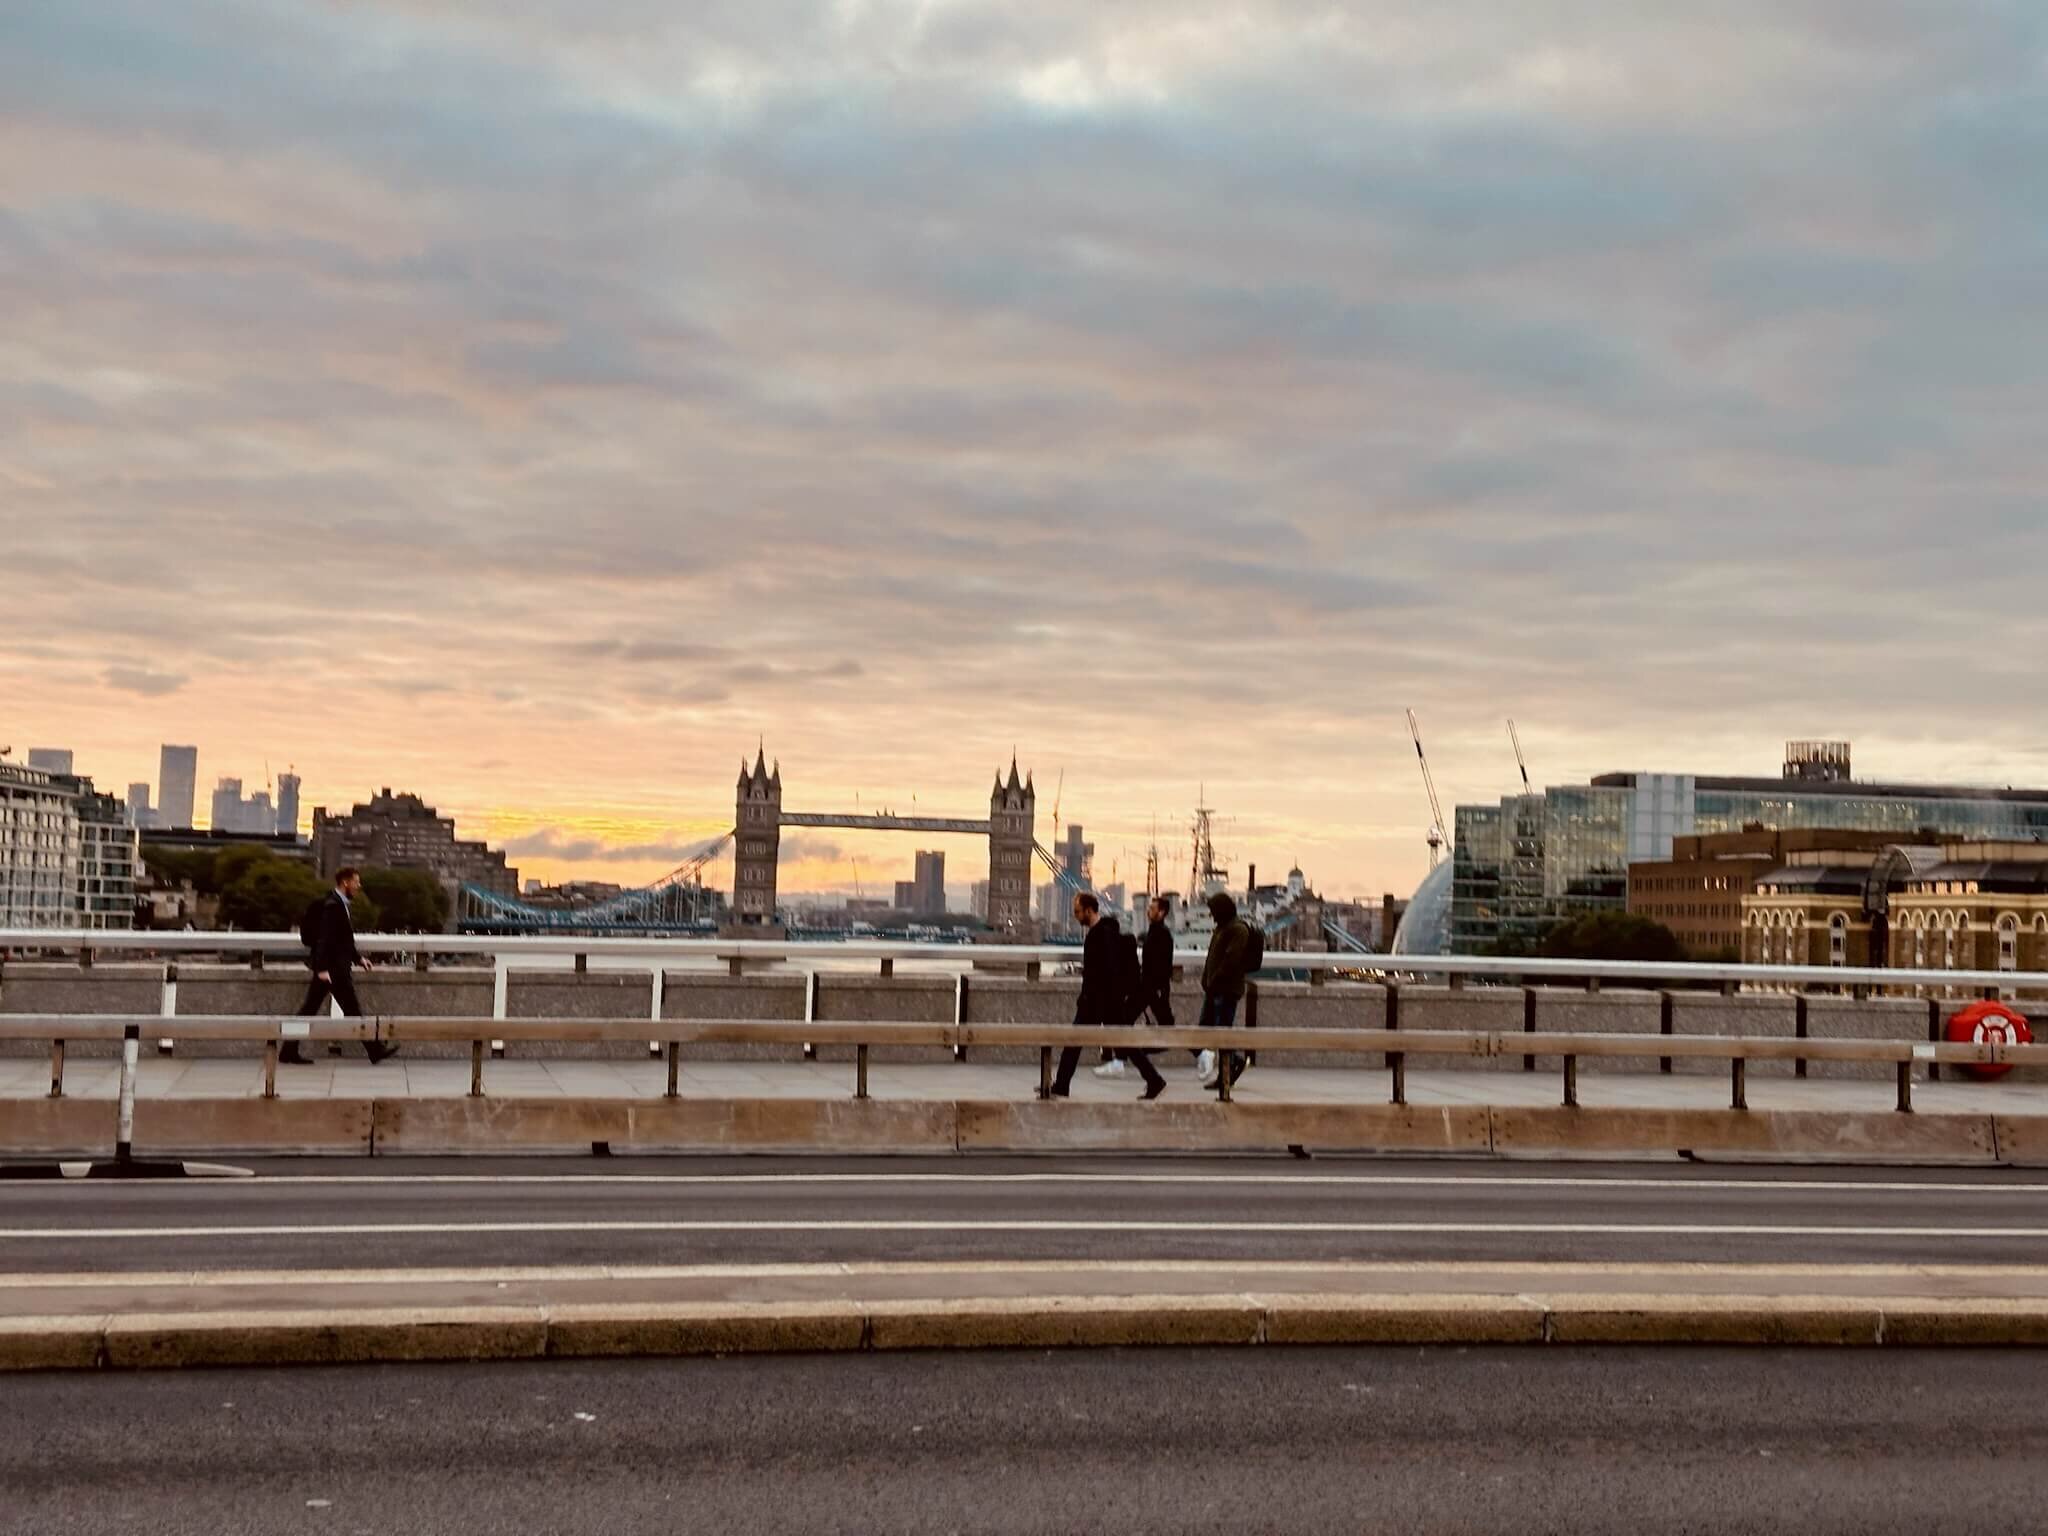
[
  {"x": 309, "y": 923},
  {"x": 1254, "y": 946}
]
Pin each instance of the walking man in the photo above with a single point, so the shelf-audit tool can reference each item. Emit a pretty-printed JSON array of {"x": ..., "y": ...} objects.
[
  {"x": 1223, "y": 979},
  {"x": 333, "y": 953},
  {"x": 1104, "y": 998}
]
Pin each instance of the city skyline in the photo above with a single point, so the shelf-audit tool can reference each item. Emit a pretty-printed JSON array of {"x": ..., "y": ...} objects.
[{"x": 536, "y": 409}]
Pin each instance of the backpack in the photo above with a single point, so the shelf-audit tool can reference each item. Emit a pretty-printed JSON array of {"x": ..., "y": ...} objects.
[
  {"x": 309, "y": 923},
  {"x": 1254, "y": 947}
]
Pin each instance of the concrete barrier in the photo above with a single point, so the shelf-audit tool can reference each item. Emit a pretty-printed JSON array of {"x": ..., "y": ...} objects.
[
  {"x": 1767, "y": 1016},
  {"x": 1561, "y": 1010}
]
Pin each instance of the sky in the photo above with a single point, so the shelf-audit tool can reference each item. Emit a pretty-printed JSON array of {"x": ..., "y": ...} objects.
[{"x": 537, "y": 406}]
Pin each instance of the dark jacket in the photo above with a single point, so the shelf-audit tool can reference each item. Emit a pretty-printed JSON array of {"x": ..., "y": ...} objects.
[
  {"x": 334, "y": 947},
  {"x": 1156, "y": 980},
  {"x": 1224, "y": 972},
  {"x": 1101, "y": 1001}
]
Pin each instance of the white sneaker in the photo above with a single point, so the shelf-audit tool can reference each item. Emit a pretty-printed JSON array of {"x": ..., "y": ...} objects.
[
  {"x": 1110, "y": 1069},
  {"x": 1205, "y": 1065}
]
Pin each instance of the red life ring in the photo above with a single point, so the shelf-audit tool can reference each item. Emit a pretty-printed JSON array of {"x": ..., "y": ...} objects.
[{"x": 1990, "y": 1023}]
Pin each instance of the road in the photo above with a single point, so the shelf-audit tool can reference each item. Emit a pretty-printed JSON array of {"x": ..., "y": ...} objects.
[
  {"x": 310, "y": 1214},
  {"x": 1589, "y": 1441}
]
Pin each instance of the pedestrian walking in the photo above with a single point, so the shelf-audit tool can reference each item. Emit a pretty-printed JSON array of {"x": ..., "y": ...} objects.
[
  {"x": 1105, "y": 993},
  {"x": 1154, "y": 1000},
  {"x": 1235, "y": 951},
  {"x": 330, "y": 935}
]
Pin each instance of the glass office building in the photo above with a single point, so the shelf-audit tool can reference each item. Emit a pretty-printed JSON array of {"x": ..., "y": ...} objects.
[{"x": 1535, "y": 860}]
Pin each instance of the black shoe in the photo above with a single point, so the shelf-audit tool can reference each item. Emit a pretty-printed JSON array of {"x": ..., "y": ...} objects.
[
  {"x": 376, "y": 1050},
  {"x": 1152, "y": 1091},
  {"x": 292, "y": 1056},
  {"x": 1058, "y": 1093}
]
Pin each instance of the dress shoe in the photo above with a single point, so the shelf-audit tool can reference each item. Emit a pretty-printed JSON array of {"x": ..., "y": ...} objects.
[
  {"x": 292, "y": 1056},
  {"x": 1152, "y": 1091},
  {"x": 377, "y": 1050}
]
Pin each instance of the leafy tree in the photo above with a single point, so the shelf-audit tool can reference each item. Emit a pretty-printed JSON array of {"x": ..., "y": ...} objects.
[
  {"x": 175, "y": 867},
  {"x": 1612, "y": 936},
  {"x": 269, "y": 894},
  {"x": 402, "y": 901}
]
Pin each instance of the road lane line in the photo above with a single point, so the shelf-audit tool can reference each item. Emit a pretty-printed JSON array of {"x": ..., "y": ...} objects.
[
  {"x": 1193, "y": 1228},
  {"x": 1275, "y": 1180}
]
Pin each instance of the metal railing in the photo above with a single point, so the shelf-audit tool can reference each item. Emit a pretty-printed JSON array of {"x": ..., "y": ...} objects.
[{"x": 652, "y": 954}]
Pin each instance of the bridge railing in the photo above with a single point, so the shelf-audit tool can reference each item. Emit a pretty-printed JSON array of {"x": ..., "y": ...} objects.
[{"x": 653, "y": 954}]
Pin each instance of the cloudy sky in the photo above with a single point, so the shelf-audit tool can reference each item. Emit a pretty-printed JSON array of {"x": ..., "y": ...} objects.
[{"x": 535, "y": 404}]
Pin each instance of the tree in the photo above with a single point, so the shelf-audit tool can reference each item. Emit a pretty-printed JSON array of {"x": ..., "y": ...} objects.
[
  {"x": 1612, "y": 936},
  {"x": 269, "y": 894},
  {"x": 403, "y": 901}
]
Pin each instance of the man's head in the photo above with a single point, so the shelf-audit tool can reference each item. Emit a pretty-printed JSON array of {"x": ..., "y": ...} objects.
[
  {"x": 1159, "y": 910},
  {"x": 1086, "y": 908},
  {"x": 348, "y": 881},
  {"x": 1222, "y": 908}
]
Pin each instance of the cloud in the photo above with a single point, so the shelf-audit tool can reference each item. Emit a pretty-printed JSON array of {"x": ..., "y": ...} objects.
[
  {"x": 1173, "y": 394},
  {"x": 151, "y": 685}
]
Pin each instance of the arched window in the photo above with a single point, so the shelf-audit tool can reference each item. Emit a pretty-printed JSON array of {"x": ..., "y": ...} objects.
[
  {"x": 2009, "y": 942},
  {"x": 1838, "y": 938}
]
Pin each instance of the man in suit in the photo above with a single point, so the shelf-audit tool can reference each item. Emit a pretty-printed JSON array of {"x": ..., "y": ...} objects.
[
  {"x": 1103, "y": 999},
  {"x": 334, "y": 952},
  {"x": 1155, "y": 979}
]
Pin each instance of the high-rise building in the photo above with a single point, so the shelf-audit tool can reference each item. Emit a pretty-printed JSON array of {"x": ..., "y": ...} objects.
[
  {"x": 906, "y": 896},
  {"x": 1535, "y": 860},
  {"x": 931, "y": 884},
  {"x": 50, "y": 759},
  {"x": 227, "y": 806},
  {"x": 67, "y": 853},
  {"x": 977, "y": 899},
  {"x": 177, "y": 785},
  {"x": 288, "y": 804},
  {"x": 139, "y": 813}
]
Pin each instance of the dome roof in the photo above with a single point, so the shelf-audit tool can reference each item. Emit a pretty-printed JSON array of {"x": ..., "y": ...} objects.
[{"x": 1426, "y": 925}]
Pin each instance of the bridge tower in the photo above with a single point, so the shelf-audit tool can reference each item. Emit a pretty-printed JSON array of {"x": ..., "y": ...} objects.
[
  {"x": 1012, "y": 813},
  {"x": 757, "y": 842}
]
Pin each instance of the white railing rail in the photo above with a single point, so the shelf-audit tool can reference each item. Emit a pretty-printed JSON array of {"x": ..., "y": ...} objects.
[{"x": 829, "y": 955}]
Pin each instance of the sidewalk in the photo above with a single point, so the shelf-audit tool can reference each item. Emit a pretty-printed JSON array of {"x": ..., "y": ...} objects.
[{"x": 351, "y": 1078}]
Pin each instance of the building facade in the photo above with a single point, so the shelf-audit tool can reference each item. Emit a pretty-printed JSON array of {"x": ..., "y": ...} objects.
[
  {"x": 68, "y": 856},
  {"x": 1535, "y": 860},
  {"x": 288, "y": 804},
  {"x": 756, "y": 843},
  {"x": 1984, "y": 907},
  {"x": 139, "y": 812},
  {"x": 1012, "y": 836},
  {"x": 929, "y": 885},
  {"x": 50, "y": 759},
  {"x": 177, "y": 785},
  {"x": 404, "y": 832}
]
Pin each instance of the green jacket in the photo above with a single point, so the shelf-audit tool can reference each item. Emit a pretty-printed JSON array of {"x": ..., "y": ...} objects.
[{"x": 1223, "y": 972}]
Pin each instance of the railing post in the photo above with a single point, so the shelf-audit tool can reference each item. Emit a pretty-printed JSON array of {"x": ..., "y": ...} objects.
[
  {"x": 419, "y": 961},
  {"x": 56, "y": 1069},
  {"x": 500, "y": 985},
  {"x": 656, "y": 995},
  {"x": 1934, "y": 1036},
  {"x": 85, "y": 957},
  {"x": 124, "y": 1121},
  {"x": 583, "y": 965},
  {"x": 810, "y": 1011},
  {"x": 1799, "y": 1030},
  {"x": 860, "y": 1071},
  {"x": 959, "y": 1012},
  {"x": 1397, "y": 1061},
  {"x": 270, "y": 1069},
  {"x": 167, "y": 1006},
  {"x": 888, "y": 967},
  {"x": 1045, "y": 1072},
  {"x": 1905, "y": 1087},
  {"x": 1528, "y": 1023},
  {"x": 476, "y": 1069},
  {"x": 1667, "y": 1024},
  {"x": 1571, "y": 1082},
  {"x": 1741, "y": 1081},
  {"x": 675, "y": 1056}
]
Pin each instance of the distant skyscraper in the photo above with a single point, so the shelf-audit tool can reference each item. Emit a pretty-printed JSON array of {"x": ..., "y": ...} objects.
[
  {"x": 177, "y": 784},
  {"x": 50, "y": 759},
  {"x": 931, "y": 883},
  {"x": 139, "y": 813},
  {"x": 977, "y": 899},
  {"x": 227, "y": 806},
  {"x": 288, "y": 804}
]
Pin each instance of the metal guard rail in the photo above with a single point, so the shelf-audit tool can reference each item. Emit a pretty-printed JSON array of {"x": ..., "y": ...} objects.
[
  {"x": 1396, "y": 1044},
  {"x": 1454, "y": 968}
]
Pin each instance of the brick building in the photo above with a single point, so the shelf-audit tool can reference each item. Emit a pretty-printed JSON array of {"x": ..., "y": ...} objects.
[
  {"x": 1983, "y": 907},
  {"x": 404, "y": 832}
]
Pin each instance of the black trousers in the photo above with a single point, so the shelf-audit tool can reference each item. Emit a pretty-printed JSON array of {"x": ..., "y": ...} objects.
[
  {"x": 343, "y": 990},
  {"x": 1161, "y": 1010},
  {"x": 1070, "y": 1058}
]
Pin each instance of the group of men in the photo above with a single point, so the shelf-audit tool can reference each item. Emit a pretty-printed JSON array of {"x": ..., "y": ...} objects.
[
  {"x": 1107, "y": 998},
  {"x": 1110, "y": 993}
]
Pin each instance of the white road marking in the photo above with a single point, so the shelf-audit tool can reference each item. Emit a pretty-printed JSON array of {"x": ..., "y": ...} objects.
[
  {"x": 1276, "y": 1228},
  {"x": 1273, "y": 1180}
]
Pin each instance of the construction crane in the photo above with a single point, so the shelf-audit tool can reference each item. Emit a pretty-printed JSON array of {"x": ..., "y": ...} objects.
[
  {"x": 1436, "y": 810},
  {"x": 1516, "y": 737}
]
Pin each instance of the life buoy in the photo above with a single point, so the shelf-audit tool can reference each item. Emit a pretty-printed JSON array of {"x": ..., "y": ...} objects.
[{"x": 1990, "y": 1023}]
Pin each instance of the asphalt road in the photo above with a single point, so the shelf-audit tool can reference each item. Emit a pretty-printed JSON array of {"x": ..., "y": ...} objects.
[
  {"x": 311, "y": 1214},
  {"x": 1420, "y": 1441}
]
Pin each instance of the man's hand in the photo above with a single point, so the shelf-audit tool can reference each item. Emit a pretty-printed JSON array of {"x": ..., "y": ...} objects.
[
  {"x": 366, "y": 962},
  {"x": 324, "y": 977}
]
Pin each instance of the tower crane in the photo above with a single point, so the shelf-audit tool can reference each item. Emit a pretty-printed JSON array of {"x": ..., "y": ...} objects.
[
  {"x": 1516, "y": 737},
  {"x": 1436, "y": 810}
]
